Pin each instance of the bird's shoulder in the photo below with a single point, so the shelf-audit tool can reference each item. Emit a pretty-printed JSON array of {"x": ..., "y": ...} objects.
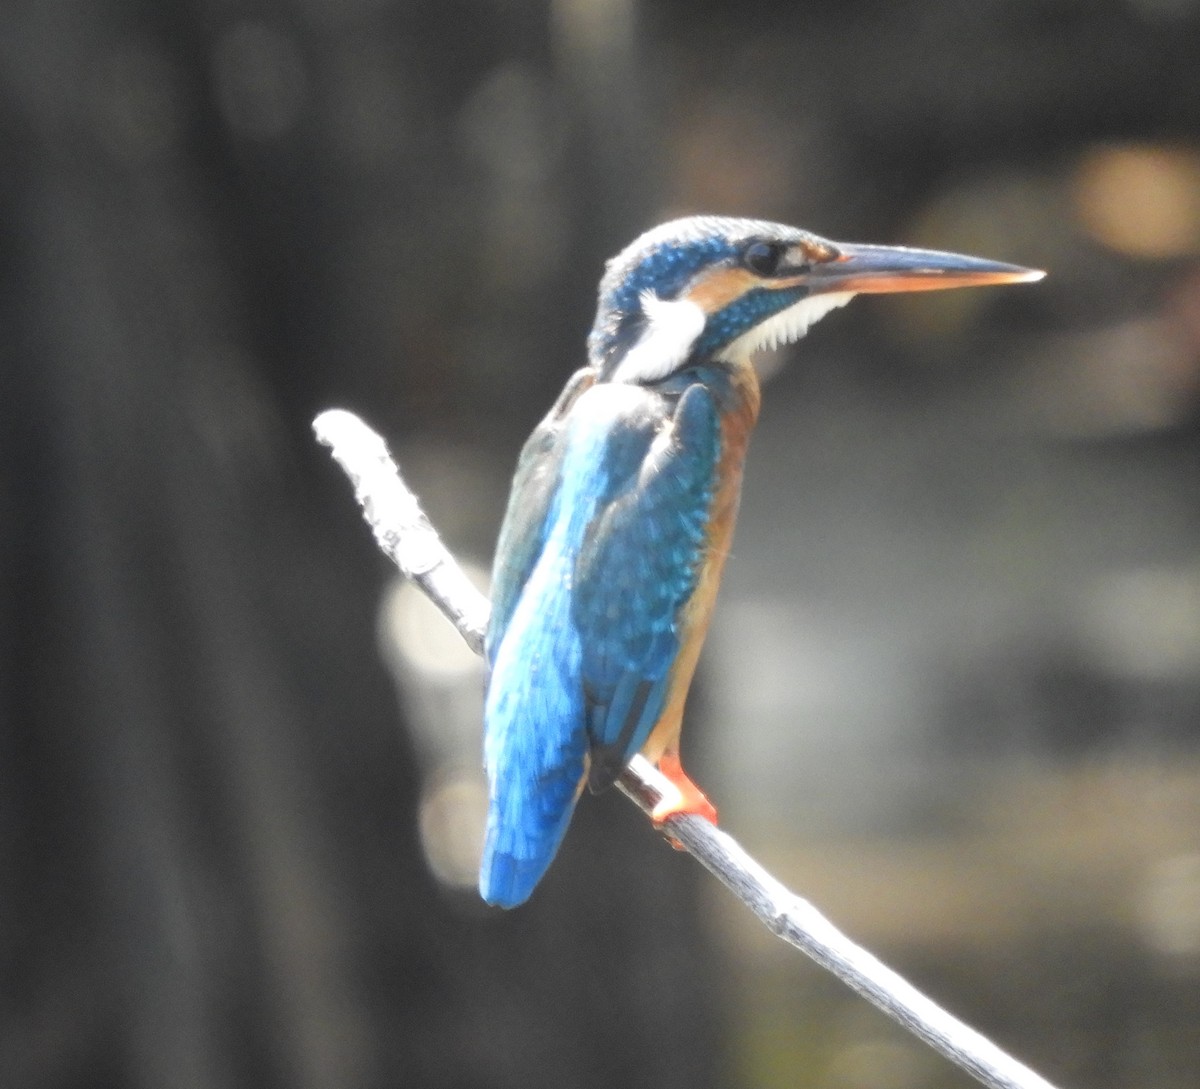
[{"x": 608, "y": 452}]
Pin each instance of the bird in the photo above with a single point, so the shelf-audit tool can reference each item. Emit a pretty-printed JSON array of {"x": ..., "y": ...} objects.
[{"x": 622, "y": 510}]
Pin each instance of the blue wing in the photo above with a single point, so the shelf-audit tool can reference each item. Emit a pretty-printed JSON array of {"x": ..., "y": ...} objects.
[
  {"x": 636, "y": 571},
  {"x": 523, "y": 533},
  {"x": 600, "y": 549}
]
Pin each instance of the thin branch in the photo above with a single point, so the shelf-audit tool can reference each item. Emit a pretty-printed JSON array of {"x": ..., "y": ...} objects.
[
  {"x": 401, "y": 529},
  {"x": 406, "y": 535}
]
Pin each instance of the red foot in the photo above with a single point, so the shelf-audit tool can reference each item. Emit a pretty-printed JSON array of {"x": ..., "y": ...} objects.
[{"x": 688, "y": 798}]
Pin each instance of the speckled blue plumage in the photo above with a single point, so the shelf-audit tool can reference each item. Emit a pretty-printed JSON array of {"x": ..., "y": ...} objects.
[
  {"x": 600, "y": 550},
  {"x": 743, "y": 313}
]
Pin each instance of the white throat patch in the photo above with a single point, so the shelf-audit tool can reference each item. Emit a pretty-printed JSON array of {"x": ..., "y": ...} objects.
[
  {"x": 787, "y": 326},
  {"x": 672, "y": 327}
]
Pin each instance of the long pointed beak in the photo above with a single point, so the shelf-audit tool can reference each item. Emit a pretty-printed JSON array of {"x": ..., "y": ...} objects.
[{"x": 876, "y": 269}]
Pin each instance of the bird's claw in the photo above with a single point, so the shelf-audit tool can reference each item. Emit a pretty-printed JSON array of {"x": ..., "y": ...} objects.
[{"x": 685, "y": 798}]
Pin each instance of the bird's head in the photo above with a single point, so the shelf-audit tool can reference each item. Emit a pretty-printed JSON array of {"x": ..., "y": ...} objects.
[{"x": 711, "y": 288}]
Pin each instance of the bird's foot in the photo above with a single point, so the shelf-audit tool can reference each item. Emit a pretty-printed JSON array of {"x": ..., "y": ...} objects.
[{"x": 686, "y": 797}]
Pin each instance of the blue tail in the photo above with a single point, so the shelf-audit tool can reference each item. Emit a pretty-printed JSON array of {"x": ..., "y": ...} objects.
[
  {"x": 524, "y": 830},
  {"x": 534, "y": 738}
]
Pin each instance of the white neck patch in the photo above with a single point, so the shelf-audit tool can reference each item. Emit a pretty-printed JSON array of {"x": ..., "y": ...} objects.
[
  {"x": 672, "y": 327},
  {"x": 787, "y": 326}
]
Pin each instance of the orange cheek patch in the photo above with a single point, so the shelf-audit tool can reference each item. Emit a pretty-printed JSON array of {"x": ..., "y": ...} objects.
[{"x": 716, "y": 290}]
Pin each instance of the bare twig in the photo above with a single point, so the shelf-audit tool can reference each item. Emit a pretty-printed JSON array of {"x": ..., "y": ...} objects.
[
  {"x": 400, "y": 526},
  {"x": 407, "y": 536}
]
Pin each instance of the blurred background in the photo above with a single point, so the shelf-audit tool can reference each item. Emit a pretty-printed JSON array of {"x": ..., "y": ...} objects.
[{"x": 952, "y": 693}]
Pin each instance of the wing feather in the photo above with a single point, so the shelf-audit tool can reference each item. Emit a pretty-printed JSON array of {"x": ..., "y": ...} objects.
[
  {"x": 638, "y": 569},
  {"x": 526, "y": 521}
]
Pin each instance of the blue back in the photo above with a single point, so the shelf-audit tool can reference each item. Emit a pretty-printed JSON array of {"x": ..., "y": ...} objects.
[{"x": 600, "y": 549}]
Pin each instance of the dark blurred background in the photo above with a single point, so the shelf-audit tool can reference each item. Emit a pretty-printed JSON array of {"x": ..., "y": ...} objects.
[{"x": 953, "y": 689}]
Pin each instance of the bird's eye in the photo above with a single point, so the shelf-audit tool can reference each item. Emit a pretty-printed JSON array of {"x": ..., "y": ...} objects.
[{"x": 762, "y": 257}]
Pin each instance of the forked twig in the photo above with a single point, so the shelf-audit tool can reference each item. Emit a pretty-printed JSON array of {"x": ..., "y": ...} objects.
[{"x": 406, "y": 535}]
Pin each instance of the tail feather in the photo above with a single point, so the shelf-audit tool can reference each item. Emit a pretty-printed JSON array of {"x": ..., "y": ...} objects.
[
  {"x": 535, "y": 738},
  {"x": 524, "y": 831},
  {"x": 508, "y": 878},
  {"x": 507, "y": 882}
]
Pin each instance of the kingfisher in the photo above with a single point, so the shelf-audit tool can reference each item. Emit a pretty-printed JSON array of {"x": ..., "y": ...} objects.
[{"x": 623, "y": 507}]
